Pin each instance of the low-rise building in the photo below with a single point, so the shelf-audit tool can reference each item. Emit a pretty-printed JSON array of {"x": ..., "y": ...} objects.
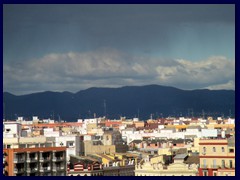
[
  {"x": 84, "y": 166},
  {"x": 178, "y": 168}
]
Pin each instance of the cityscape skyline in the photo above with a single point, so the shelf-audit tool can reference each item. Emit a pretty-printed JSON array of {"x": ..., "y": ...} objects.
[{"x": 75, "y": 47}]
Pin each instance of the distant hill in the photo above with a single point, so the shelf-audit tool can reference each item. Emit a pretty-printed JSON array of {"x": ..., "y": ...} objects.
[{"x": 129, "y": 101}]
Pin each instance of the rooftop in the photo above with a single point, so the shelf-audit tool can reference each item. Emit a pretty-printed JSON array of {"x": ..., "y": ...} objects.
[{"x": 180, "y": 156}]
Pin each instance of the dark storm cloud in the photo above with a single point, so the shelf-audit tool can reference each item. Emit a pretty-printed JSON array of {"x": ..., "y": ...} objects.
[
  {"x": 73, "y": 47},
  {"x": 34, "y": 30}
]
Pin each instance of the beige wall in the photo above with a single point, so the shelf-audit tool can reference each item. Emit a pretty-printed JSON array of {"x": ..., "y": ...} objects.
[
  {"x": 10, "y": 140},
  {"x": 94, "y": 149},
  {"x": 156, "y": 159},
  {"x": 91, "y": 126},
  {"x": 175, "y": 169},
  {"x": 41, "y": 139},
  {"x": 163, "y": 151},
  {"x": 139, "y": 124}
]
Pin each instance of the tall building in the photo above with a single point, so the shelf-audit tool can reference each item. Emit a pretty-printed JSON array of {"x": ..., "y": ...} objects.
[
  {"x": 217, "y": 157},
  {"x": 42, "y": 161}
]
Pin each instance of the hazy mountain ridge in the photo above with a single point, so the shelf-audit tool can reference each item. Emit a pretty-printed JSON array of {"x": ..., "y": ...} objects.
[{"x": 129, "y": 101}]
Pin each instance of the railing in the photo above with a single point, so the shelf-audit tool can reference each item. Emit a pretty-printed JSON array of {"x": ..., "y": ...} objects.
[
  {"x": 60, "y": 168},
  {"x": 31, "y": 170},
  {"x": 16, "y": 170},
  {"x": 59, "y": 158},
  {"x": 45, "y": 169},
  {"x": 203, "y": 166},
  {"x": 44, "y": 159},
  {"x": 31, "y": 159},
  {"x": 18, "y": 160}
]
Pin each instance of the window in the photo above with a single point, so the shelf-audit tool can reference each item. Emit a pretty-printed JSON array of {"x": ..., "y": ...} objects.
[
  {"x": 214, "y": 163},
  {"x": 214, "y": 149},
  {"x": 8, "y": 146},
  {"x": 223, "y": 163},
  {"x": 204, "y": 163},
  {"x": 204, "y": 173},
  {"x": 215, "y": 174},
  {"x": 231, "y": 150},
  {"x": 204, "y": 149},
  {"x": 223, "y": 149},
  {"x": 230, "y": 164}
]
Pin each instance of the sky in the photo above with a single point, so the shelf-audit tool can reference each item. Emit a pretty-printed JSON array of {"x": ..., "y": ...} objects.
[{"x": 71, "y": 47}]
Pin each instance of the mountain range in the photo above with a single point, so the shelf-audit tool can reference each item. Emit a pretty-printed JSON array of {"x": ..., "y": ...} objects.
[{"x": 129, "y": 101}]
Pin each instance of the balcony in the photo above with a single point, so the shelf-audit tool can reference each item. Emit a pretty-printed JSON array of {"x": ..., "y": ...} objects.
[
  {"x": 18, "y": 170},
  {"x": 204, "y": 166},
  {"x": 58, "y": 168},
  {"x": 44, "y": 159},
  {"x": 32, "y": 170},
  {"x": 45, "y": 169},
  {"x": 214, "y": 166},
  {"x": 30, "y": 160},
  {"x": 55, "y": 159},
  {"x": 18, "y": 160}
]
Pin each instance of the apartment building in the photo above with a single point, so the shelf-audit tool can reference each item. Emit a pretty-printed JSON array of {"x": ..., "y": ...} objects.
[
  {"x": 217, "y": 157},
  {"x": 42, "y": 161}
]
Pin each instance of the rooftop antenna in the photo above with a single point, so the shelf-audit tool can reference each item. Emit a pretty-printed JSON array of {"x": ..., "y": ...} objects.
[
  {"x": 138, "y": 113},
  {"x": 222, "y": 115},
  {"x": 105, "y": 107},
  {"x": 203, "y": 114},
  {"x": 4, "y": 115},
  {"x": 230, "y": 113},
  {"x": 89, "y": 114},
  {"x": 151, "y": 116}
]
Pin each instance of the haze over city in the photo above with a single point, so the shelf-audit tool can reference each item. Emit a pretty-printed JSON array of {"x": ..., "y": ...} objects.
[{"x": 74, "y": 47}]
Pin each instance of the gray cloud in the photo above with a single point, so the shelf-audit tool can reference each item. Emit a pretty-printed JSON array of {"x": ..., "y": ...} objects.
[
  {"x": 110, "y": 68},
  {"x": 66, "y": 47},
  {"x": 34, "y": 30}
]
